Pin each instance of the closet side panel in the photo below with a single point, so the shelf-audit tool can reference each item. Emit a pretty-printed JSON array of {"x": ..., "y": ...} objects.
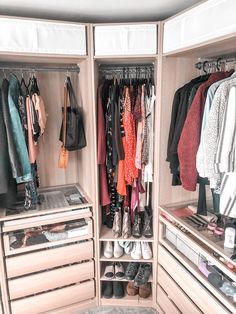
[
  {"x": 51, "y": 85},
  {"x": 86, "y": 156},
  {"x": 175, "y": 73}
]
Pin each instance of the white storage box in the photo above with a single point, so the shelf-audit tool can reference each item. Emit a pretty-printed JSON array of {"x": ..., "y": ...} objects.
[
  {"x": 140, "y": 39},
  {"x": 207, "y": 21},
  {"x": 38, "y": 36}
]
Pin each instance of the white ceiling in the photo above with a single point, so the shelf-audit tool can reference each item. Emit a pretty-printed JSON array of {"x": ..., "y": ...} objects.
[{"x": 95, "y": 10}]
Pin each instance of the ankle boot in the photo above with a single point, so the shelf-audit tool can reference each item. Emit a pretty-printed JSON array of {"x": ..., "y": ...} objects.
[
  {"x": 126, "y": 228},
  {"x": 147, "y": 229},
  {"x": 117, "y": 224},
  {"x": 136, "y": 232}
]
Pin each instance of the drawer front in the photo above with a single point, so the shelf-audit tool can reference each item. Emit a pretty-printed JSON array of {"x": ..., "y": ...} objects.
[
  {"x": 165, "y": 303},
  {"x": 54, "y": 299},
  {"x": 40, "y": 237},
  {"x": 52, "y": 279},
  {"x": 46, "y": 259},
  {"x": 200, "y": 296},
  {"x": 174, "y": 292}
]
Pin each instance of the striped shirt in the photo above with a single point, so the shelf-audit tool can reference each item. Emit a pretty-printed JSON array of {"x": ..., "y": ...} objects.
[{"x": 228, "y": 195}]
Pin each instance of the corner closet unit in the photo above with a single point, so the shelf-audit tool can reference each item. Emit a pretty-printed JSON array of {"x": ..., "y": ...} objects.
[
  {"x": 119, "y": 56},
  {"x": 181, "y": 286},
  {"x": 54, "y": 274}
]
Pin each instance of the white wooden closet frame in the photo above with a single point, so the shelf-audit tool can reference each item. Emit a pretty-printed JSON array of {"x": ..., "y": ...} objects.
[{"x": 173, "y": 69}]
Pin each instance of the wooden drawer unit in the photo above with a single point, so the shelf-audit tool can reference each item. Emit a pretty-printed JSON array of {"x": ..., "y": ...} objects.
[
  {"x": 176, "y": 294},
  {"x": 192, "y": 287},
  {"x": 45, "y": 302},
  {"x": 38, "y": 237},
  {"x": 165, "y": 302},
  {"x": 36, "y": 283},
  {"x": 46, "y": 259}
]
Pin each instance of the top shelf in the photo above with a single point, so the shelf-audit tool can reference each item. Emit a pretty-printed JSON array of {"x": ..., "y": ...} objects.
[
  {"x": 52, "y": 200},
  {"x": 202, "y": 235}
]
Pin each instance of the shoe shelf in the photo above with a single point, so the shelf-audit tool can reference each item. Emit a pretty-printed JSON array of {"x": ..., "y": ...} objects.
[
  {"x": 125, "y": 258},
  {"x": 103, "y": 278},
  {"x": 128, "y": 300},
  {"x": 107, "y": 235}
]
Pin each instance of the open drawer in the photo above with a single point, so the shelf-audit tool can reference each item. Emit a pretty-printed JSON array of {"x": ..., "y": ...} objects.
[
  {"x": 51, "y": 279},
  {"x": 38, "y": 261},
  {"x": 54, "y": 299},
  {"x": 48, "y": 235}
]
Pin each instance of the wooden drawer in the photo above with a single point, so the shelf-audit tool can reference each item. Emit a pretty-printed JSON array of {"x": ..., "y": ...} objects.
[
  {"x": 46, "y": 259},
  {"x": 51, "y": 279},
  {"x": 181, "y": 300},
  {"x": 196, "y": 291},
  {"x": 54, "y": 299},
  {"x": 165, "y": 302},
  {"x": 58, "y": 238}
]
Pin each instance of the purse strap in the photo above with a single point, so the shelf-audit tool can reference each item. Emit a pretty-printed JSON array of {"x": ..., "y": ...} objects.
[
  {"x": 64, "y": 113},
  {"x": 72, "y": 97}
]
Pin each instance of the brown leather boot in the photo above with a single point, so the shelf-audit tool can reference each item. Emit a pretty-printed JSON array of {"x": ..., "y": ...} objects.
[
  {"x": 131, "y": 289},
  {"x": 145, "y": 290}
]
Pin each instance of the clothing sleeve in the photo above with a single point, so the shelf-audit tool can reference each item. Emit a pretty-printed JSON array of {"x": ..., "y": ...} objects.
[
  {"x": 101, "y": 135},
  {"x": 188, "y": 144},
  {"x": 224, "y": 161},
  {"x": 173, "y": 121}
]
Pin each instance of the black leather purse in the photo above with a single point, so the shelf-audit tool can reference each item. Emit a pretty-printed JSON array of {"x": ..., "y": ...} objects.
[{"x": 75, "y": 136}]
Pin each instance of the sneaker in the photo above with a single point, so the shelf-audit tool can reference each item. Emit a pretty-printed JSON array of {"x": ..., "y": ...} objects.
[
  {"x": 136, "y": 232},
  {"x": 124, "y": 244},
  {"x": 146, "y": 250},
  {"x": 109, "y": 271},
  {"x": 131, "y": 271},
  {"x": 126, "y": 229},
  {"x": 147, "y": 229},
  {"x": 108, "y": 249},
  {"x": 131, "y": 289},
  {"x": 118, "y": 289},
  {"x": 145, "y": 290},
  {"x": 129, "y": 248},
  {"x": 119, "y": 271},
  {"x": 136, "y": 252},
  {"x": 118, "y": 250},
  {"x": 107, "y": 289},
  {"x": 143, "y": 274},
  {"x": 116, "y": 229}
]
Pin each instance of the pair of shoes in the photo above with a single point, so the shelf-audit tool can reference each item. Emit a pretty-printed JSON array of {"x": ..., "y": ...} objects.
[
  {"x": 144, "y": 291},
  {"x": 141, "y": 227},
  {"x": 140, "y": 273},
  {"x": 122, "y": 229},
  {"x": 127, "y": 246},
  {"x": 109, "y": 252},
  {"x": 113, "y": 288},
  {"x": 114, "y": 270},
  {"x": 141, "y": 249}
]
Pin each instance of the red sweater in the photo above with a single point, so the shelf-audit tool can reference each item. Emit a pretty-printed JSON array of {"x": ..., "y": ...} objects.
[{"x": 190, "y": 136}]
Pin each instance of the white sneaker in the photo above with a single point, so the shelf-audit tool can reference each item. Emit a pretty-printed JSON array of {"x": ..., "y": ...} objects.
[
  {"x": 129, "y": 248},
  {"x": 146, "y": 250},
  {"x": 118, "y": 250},
  {"x": 108, "y": 249},
  {"x": 136, "y": 251}
]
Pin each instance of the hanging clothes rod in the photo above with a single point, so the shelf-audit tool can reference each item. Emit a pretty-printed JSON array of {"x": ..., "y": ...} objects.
[
  {"x": 127, "y": 71},
  {"x": 121, "y": 67},
  {"x": 214, "y": 63},
  {"x": 38, "y": 67}
]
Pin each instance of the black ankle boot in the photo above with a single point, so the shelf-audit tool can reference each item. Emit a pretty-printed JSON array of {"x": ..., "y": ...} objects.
[
  {"x": 136, "y": 232},
  {"x": 147, "y": 229}
]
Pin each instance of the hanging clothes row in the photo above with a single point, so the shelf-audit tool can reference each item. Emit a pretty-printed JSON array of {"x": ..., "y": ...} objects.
[
  {"x": 125, "y": 147},
  {"x": 22, "y": 123},
  {"x": 202, "y": 137}
]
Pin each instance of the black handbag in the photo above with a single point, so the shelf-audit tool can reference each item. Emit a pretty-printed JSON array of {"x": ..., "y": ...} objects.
[{"x": 75, "y": 136}]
